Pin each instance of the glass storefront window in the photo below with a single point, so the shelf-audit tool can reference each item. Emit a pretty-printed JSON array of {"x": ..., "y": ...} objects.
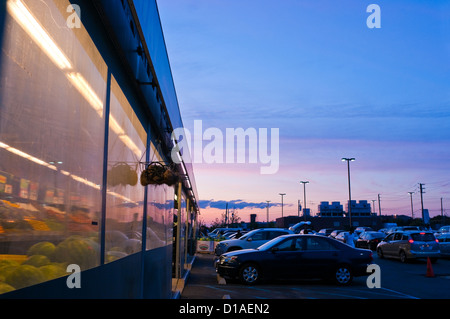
[
  {"x": 159, "y": 216},
  {"x": 124, "y": 205},
  {"x": 52, "y": 91},
  {"x": 53, "y": 94}
]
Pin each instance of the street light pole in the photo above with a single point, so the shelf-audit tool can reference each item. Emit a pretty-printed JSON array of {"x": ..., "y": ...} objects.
[
  {"x": 268, "y": 201},
  {"x": 304, "y": 198},
  {"x": 348, "y": 160},
  {"x": 412, "y": 210},
  {"x": 282, "y": 194}
]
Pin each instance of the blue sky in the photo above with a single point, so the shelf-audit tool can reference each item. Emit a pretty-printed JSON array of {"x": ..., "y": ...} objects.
[{"x": 333, "y": 87}]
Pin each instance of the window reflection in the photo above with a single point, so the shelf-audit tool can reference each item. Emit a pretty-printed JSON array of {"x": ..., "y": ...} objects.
[
  {"x": 51, "y": 146},
  {"x": 52, "y": 125},
  {"x": 124, "y": 205}
]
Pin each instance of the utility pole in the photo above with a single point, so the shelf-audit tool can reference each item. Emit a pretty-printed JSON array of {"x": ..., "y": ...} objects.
[
  {"x": 373, "y": 206},
  {"x": 348, "y": 160},
  {"x": 421, "y": 199},
  {"x": 304, "y": 197},
  {"x": 442, "y": 213},
  {"x": 282, "y": 194},
  {"x": 226, "y": 215},
  {"x": 412, "y": 210},
  {"x": 379, "y": 205}
]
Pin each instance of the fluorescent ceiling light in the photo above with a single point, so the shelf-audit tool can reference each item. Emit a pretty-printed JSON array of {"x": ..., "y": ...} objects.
[
  {"x": 29, "y": 23},
  {"x": 86, "y": 91},
  {"x": 26, "y": 156}
]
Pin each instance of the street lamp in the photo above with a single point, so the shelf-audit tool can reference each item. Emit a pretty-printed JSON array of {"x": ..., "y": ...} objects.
[
  {"x": 268, "y": 201},
  {"x": 348, "y": 160},
  {"x": 412, "y": 210},
  {"x": 304, "y": 197},
  {"x": 282, "y": 194}
]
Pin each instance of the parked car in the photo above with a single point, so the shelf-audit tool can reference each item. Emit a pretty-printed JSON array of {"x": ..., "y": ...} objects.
[
  {"x": 341, "y": 236},
  {"x": 335, "y": 232},
  {"x": 218, "y": 231},
  {"x": 369, "y": 240},
  {"x": 444, "y": 244},
  {"x": 295, "y": 257},
  {"x": 359, "y": 230},
  {"x": 307, "y": 231},
  {"x": 252, "y": 239},
  {"x": 362, "y": 229},
  {"x": 409, "y": 245},
  {"x": 298, "y": 227},
  {"x": 325, "y": 231},
  {"x": 443, "y": 230},
  {"x": 402, "y": 228},
  {"x": 237, "y": 234}
]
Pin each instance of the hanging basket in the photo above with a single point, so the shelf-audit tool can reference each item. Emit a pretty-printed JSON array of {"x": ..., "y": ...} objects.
[
  {"x": 122, "y": 174},
  {"x": 159, "y": 174}
]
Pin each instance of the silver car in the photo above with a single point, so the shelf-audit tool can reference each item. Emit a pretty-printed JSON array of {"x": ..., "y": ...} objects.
[
  {"x": 252, "y": 239},
  {"x": 409, "y": 245},
  {"x": 444, "y": 245},
  {"x": 442, "y": 231}
]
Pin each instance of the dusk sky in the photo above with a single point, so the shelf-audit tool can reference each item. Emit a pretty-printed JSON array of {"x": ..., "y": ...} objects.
[{"x": 332, "y": 86}]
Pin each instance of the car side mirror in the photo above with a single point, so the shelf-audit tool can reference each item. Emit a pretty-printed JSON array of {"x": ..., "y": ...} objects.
[
  {"x": 274, "y": 249},
  {"x": 249, "y": 239}
]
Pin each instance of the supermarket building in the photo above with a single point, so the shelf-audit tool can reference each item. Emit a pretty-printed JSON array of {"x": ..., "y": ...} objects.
[{"x": 87, "y": 108}]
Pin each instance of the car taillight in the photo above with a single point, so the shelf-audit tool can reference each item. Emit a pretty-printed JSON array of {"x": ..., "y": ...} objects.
[
  {"x": 437, "y": 241},
  {"x": 410, "y": 241}
]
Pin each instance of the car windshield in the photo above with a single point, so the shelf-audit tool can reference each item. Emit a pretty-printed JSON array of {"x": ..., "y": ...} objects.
[
  {"x": 250, "y": 233},
  {"x": 423, "y": 237},
  {"x": 271, "y": 243}
]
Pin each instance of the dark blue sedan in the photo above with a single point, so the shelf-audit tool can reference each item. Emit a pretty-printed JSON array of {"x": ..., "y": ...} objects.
[{"x": 296, "y": 257}]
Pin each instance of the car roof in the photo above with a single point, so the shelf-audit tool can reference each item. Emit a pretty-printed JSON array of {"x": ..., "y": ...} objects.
[
  {"x": 414, "y": 231},
  {"x": 272, "y": 229},
  {"x": 301, "y": 235}
]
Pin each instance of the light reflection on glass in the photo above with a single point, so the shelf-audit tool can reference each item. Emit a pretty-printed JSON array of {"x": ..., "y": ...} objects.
[{"x": 29, "y": 23}]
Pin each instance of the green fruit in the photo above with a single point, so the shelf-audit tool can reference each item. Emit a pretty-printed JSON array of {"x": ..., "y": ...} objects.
[
  {"x": 24, "y": 276},
  {"x": 5, "y": 288},
  {"x": 53, "y": 271},
  {"x": 37, "y": 261},
  {"x": 78, "y": 250},
  {"x": 7, "y": 262},
  {"x": 43, "y": 248},
  {"x": 5, "y": 270}
]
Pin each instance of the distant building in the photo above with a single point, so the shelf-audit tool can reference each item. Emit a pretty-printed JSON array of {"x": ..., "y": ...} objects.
[
  {"x": 360, "y": 209},
  {"x": 335, "y": 209},
  {"x": 306, "y": 212}
]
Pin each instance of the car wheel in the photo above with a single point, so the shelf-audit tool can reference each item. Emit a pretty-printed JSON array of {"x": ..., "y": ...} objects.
[
  {"x": 380, "y": 253},
  {"x": 403, "y": 257},
  {"x": 250, "y": 274},
  {"x": 343, "y": 275}
]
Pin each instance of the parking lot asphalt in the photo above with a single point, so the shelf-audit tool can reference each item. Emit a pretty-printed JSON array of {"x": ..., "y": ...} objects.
[{"x": 399, "y": 281}]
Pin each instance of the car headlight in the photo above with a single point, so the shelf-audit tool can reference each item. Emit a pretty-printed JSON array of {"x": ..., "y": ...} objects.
[{"x": 229, "y": 259}]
